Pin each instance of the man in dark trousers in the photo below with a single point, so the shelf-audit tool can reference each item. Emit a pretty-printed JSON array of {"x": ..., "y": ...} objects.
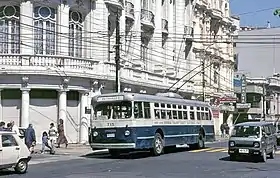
[{"x": 30, "y": 138}]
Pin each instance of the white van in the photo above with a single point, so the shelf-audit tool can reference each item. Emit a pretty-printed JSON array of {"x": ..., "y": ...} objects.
[{"x": 13, "y": 152}]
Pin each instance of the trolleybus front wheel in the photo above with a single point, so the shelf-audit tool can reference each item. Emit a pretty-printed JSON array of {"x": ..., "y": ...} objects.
[{"x": 158, "y": 145}]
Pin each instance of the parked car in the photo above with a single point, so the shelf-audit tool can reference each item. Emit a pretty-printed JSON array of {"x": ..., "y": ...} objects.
[
  {"x": 14, "y": 153},
  {"x": 253, "y": 139}
]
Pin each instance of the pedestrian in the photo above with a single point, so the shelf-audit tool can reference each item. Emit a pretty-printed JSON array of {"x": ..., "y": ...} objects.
[
  {"x": 30, "y": 138},
  {"x": 222, "y": 128},
  {"x": 2, "y": 126},
  {"x": 61, "y": 135},
  {"x": 52, "y": 135},
  {"x": 9, "y": 127},
  {"x": 45, "y": 142},
  {"x": 227, "y": 130},
  {"x": 14, "y": 128}
]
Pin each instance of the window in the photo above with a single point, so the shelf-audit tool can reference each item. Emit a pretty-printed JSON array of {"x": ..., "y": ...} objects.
[
  {"x": 115, "y": 110},
  {"x": 156, "y": 105},
  {"x": 147, "y": 111},
  {"x": 180, "y": 115},
  {"x": 9, "y": 29},
  {"x": 174, "y": 113},
  {"x": 185, "y": 115},
  {"x": 138, "y": 110},
  {"x": 163, "y": 114},
  {"x": 8, "y": 141},
  {"x": 198, "y": 115},
  {"x": 75, "y": 33},
  {"x": 192, "y": 115},
  {"x": 44, "y": 30},
  {"x": 146, "y": 4}
]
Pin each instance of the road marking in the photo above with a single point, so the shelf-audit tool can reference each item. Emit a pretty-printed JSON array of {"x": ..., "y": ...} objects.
[
  {"x": 201, "y": 150},
  {"x": 217, "y": 150},
  {"x": 277, "y": 152}
]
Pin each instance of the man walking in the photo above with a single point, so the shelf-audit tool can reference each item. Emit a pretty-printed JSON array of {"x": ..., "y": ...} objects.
[{"x": 30, "y": 138}]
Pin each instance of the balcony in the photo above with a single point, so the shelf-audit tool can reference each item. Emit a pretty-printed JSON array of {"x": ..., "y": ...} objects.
[
  {"x": 129, "y": 10},
  {"x": 250, "y": 89},
  {"x": 158, "y": 68},
  {"x": 164, "y": 26},
  {"x": 116, "y": 3},
  {"x": 188, "y": 31},
  {"x": 216, "y": 13},
  {"x": 170, "y": 71},
  {"x": 202, "y": 4},
  {"x": 274, "y": 82},
  {"x": 147, "y": 18}
]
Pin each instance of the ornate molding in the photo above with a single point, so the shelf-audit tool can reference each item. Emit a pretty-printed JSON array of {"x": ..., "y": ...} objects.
[
  {"x": 65, "y": 82},
  {"x": 25, "y": 81}
]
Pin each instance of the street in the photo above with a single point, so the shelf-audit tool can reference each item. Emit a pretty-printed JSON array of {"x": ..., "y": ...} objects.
[{"x": 211, "y": 162}]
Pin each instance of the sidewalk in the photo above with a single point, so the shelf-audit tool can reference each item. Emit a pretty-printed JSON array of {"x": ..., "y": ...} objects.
[{"x": 72, "y": 149}]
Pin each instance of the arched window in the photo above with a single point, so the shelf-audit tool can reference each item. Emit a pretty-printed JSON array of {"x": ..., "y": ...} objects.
[
  {"x": 75, "y": 34},
  {"x": 9, "y": 29},
  {"x": 44, "y": 30}
]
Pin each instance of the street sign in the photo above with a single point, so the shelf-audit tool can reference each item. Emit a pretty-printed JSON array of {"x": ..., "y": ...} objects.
[
  {"x": 243, "y": 89},
  {"x": 243, "y": 105}
]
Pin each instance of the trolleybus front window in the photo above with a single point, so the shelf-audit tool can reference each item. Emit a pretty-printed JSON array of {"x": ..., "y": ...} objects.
[{"x": 116, "y": 110}]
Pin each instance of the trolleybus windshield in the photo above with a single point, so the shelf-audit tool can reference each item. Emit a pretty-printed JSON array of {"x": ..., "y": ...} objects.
[{"x": 114, "y": 110}]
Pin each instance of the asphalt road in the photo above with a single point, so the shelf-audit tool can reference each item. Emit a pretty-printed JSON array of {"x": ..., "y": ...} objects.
[{"x": 209, "y": 163}]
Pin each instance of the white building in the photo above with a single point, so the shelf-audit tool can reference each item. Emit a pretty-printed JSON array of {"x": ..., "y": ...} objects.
[{"x": 56, "y": 54}]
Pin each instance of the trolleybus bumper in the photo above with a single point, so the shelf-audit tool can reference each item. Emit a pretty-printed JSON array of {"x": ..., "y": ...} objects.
[{"x": 113, "y": 145}]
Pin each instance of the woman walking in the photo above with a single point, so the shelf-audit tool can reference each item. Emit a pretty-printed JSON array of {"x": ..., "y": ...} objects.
[{"x": 61, "y": 135}]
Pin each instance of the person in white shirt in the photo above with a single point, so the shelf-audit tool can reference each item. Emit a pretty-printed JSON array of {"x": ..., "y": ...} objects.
[
  {"x": 52, "y": 135},
  {"x": 14, "y": 128}
]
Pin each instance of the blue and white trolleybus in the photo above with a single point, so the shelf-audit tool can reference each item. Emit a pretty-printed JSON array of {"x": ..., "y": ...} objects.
[{"x": 122, "y": 122}]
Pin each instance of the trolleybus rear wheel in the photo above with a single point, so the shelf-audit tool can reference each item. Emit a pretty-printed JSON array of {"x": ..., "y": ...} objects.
[{"x": 157, "y": 145}]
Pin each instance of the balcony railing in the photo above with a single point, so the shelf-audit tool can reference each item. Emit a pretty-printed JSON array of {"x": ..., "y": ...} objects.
[
  {"x": 216, "y": 13},
  {"x": 164, "y": 25},
  {"x": 147, "y": 17},
  {"x": 188, "y": 31},
  {"x": 129, "y": 10},
  {"x": 115, "y": 2}
]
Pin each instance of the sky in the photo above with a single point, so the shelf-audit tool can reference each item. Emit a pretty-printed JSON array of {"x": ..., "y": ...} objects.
[{"x": 256, "y": 12}]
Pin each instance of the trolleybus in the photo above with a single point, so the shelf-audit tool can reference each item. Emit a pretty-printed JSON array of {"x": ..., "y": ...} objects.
[{"x": 122, "y": 122}]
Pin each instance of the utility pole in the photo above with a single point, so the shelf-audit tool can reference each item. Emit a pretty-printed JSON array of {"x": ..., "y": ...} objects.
[
  {"x": 264, "y": 102},
  {"x": 203, "y": 79},
  {"x": 117, "y": 57}
]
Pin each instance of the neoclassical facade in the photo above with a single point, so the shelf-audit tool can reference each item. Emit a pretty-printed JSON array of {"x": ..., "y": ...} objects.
[{"x": 57, "y": 54}]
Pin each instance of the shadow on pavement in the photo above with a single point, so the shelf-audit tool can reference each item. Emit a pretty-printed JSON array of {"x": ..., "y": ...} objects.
[
  {"x": 244, "y": 160},
  {"x": 135, "y": 154},
  {"x": 6, "y": 172}
]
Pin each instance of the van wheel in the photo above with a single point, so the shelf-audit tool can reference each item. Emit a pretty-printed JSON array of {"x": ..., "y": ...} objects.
[
  {"x": 264, "y": 156},
  {"x": 272, "y": 154},
  {"x": 21, "y": 167},
  {"x": 157, "y": 145}
]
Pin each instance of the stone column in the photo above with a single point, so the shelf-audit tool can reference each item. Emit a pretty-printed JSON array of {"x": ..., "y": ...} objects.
[
  {"x": 84, "y": 123},
  {"x": 62, "y": 106},
  {"x": 63, "y": 24},
  {"x": 24, "y": 119}
]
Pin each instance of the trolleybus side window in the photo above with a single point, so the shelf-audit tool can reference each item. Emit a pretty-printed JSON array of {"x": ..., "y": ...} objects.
[
  {"x": 138, "y": 110},
  {"x": 198, "y": 113},
  {"x": 192, "y": 113},
  {"x": 169, "y": 114},
  {"x": 147, "y": 110},
  {"x": 157, "y": 111},
  {"x": 210, "y": 115}
]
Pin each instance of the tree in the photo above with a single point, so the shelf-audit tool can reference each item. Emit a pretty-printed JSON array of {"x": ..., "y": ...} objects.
[{"x": 277, "y": 12}]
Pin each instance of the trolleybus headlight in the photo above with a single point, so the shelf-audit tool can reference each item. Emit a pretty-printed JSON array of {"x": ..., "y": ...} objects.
[
  {"x": 127, "y": 133},
  {"x": 95, "y": 134},
  {"x": 256, "y": 144},
  {"x": 231, "y": 144}
]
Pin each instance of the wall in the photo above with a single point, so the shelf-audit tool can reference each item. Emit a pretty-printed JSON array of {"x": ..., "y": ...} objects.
[
  {"x": 263, "y": 53},
  {"x": 42, "y": 113}
]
